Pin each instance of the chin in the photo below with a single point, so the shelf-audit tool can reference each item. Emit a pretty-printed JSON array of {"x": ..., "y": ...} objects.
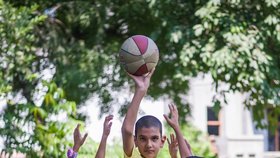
[{"x": 150, "y": 155}]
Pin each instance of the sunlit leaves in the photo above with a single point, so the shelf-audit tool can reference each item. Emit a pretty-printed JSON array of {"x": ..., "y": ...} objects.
[
  {"x": 27, "y": 121},
  {"x": 240, "y": 48},
  {"x": 272, "y": 20},
  {"x": 235, "y": 41},
  {"x": 273, "y": 3}
]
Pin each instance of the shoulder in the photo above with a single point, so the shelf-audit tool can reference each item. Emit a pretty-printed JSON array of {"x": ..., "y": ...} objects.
[{"x": 135, "y": 154}]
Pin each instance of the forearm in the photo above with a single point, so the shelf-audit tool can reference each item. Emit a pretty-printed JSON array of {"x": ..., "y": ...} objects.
[
  {"x": 129, "y": 121},
  {"x": 183, "y": 148},
  {"x": 102, "y": 148},
  {"x": 132, "y": 111}
]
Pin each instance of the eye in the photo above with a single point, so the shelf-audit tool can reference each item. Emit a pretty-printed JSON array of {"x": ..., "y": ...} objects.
[
  {"x": 154, "y": 139},
  {"x": 142, "y": 139}
]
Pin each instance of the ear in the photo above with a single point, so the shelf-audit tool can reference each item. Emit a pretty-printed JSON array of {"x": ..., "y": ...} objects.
[
  {"x": 135, "y": 141},
  {"x": 163, "y": 138}
]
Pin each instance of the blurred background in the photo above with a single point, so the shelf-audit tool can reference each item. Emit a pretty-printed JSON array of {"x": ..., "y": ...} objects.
[{"x": 219, "y": 63}]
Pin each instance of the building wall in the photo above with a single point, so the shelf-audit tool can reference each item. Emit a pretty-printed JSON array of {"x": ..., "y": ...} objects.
[
  {"x": 200, "y": 96},
  {"x": 237, "y": 134}
]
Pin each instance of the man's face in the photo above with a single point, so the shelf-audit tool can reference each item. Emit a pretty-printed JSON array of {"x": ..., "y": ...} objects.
[{"x": 149, "y": 142}]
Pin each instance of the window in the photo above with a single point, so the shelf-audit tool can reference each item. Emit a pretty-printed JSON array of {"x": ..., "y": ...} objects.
[
  {"x": 213, "y": 122},
  {"x": 274, "y": 136}
]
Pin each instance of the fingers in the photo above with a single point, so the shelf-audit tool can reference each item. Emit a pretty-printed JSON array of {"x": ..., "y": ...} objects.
[
  {"x": 173, "y": 110},
  {"x": 147, "y": 75},
  {"x": 108, "y": 118},
  {"x": 77, "y": 127},
  {"x": 84, "y": 138},
  {"x": 172, "y": 137},
  {"x": 108, "y": 122},
  {"x": 172, "y": 107},
  {"x": 173, "y": 119},
  {"x": 77, "y": 130},
  {"x": 110, "y": 125},
  {"x": 168, "y": 141},
  {"x": 130, "y": 75},
  {"x": 172, "y": 141},
  {"x": 151, "y": 73},
  {"x": 166, "y": 118}
]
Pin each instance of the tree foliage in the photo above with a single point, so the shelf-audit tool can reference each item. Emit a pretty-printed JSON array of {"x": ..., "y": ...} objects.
[
  {"x": 238, "y": 42},
  {"x": 29, "y": 121},
  {"x": 76, "y": 43}
]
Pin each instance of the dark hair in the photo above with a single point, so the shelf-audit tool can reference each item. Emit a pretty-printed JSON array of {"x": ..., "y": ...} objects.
[{"x": 147, "y": 122}]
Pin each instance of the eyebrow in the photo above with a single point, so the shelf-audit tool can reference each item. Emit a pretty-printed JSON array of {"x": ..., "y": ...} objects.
[
  {"x": 142, "y": 136},
  {"x": 153, "y": 136}
]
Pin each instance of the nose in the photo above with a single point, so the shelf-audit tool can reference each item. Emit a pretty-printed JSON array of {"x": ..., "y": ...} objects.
[{"x": 149, "y": 144}]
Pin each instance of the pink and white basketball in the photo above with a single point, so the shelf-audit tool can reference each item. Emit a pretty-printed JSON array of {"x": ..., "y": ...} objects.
[{"x": 139, "y": 55}]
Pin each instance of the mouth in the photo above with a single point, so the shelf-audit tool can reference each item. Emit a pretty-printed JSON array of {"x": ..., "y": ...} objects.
[{"x": 150, "y": 151}]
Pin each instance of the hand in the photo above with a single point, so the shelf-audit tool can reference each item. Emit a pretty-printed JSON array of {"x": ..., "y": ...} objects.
[
  {"x": 142, "y": 83},
  {"x": 173, "y": 120},
  {"x": 78, "y": 139},
  {"x": 172, "y": 146},
  {"x": 107, "y": 125}
]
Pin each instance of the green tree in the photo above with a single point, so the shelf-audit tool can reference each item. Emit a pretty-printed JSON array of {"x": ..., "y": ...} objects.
[
  {"x": 28, "y": 122},
  {"x": 237, "y": 42}
]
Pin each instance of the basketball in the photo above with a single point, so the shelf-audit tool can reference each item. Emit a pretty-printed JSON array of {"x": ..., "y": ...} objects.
[{"x": 139, "y": 55}]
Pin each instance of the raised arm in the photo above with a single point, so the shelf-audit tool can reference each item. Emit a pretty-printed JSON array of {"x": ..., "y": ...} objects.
[
  {"x": 174, "y": 123},
  {"x": 141, "y": 87},
  {"x": 106, "y": 131},
  {"x": 78, "y": 139},
  {"x": 78, "y": 142}
]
